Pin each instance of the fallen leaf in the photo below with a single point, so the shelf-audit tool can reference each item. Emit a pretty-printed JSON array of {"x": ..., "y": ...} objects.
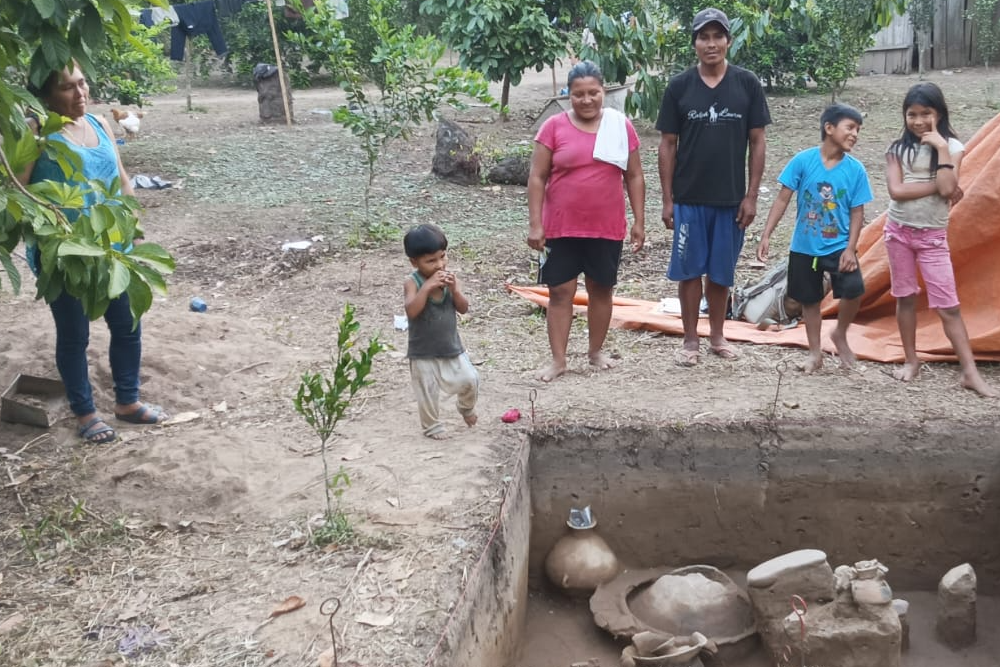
[
  {"x": 291, "y": 603},
  {"x": 182, "y": 418},
  {"x": 393, "y": 502},
  {"x": 375, "y": 620},
  {"x": 354, "y": 453},
  {"x": 10, "y": 623},
  {"x": 220, "y": 407}
]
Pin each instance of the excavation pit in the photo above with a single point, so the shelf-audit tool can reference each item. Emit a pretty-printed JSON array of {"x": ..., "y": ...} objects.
[{"x": 920, "y": 499}]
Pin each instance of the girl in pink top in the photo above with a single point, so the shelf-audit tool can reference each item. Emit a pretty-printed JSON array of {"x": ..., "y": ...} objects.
[{"x": 576, "y": 211}]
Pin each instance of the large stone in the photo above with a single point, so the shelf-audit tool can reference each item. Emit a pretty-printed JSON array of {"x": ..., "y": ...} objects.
[
  {"x": 455, "y": 157},
  {"x": 844, "y": 635},
  {"x": 956, "y": 615},
  {"x": 771, "y": 585},
  {"x": 512, "y": 170}
]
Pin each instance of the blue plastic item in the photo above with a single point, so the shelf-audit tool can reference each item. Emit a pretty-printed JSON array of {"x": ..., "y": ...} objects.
[{"x": 198, "y": 304}]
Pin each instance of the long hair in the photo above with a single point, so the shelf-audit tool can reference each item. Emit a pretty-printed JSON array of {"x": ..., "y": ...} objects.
[{"x": 928, "y": 95}]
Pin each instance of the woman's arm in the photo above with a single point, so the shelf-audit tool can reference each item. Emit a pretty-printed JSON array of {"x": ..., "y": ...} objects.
[
  {"x": 126, "y": 181},
  {"x": 541, "y": 167},
  {"x": 635, "y": 186}
]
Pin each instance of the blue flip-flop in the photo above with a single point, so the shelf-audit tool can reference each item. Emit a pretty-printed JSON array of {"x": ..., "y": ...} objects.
[
  {"x": 97, "y": 432},
  {"x": 146, "y": 414}
]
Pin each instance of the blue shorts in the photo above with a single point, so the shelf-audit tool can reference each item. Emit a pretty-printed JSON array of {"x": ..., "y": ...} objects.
[{"x": 707, "y": 241}]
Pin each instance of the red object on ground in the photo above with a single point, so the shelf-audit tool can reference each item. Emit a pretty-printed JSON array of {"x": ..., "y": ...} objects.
[{"x": 510, "y": 416}]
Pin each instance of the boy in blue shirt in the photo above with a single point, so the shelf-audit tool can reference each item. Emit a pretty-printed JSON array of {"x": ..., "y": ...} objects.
[{"x": 831, "y": 189}]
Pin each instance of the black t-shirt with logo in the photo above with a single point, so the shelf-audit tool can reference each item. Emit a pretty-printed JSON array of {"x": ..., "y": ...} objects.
[{"x": 713, "y": 127}]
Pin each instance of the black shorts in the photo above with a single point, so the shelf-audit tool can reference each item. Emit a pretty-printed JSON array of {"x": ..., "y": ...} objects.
[
  {"x": 566, "y": 258},
  {"x": 805, "y": 278}
]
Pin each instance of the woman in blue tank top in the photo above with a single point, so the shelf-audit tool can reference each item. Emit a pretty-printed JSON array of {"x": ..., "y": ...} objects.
[{"x": 90, "y": 138}]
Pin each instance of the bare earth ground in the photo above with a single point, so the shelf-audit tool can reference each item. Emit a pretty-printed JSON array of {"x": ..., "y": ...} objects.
[{"x": 195, "y": 531}]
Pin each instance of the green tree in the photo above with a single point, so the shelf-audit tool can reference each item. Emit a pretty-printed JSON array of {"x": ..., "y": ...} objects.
[
  {"x": 500, "y": 38},
  {"x": 82, "y": 258},
  {"x": 410, "y": 83},
  {"x": 922, "y": 17},
  {"x": 323, "y": 400},
  {"x": 983, "y": 15}
]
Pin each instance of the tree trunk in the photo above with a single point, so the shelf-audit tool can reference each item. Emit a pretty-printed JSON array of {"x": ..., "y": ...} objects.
[
  {"x": 505, "y": 96},
  {"x": 922, "y": 39}
]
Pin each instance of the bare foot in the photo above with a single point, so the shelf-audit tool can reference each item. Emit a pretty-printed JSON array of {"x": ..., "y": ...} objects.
[
  {"x": 974, "y": 381},
  {"x": 471, "y": 418},
  {"x": 907, "y": 372},
  {"x": 844, "y": 351},
  {"x": 812, "y": 364},
  {"x": 551, "y": 372},
  {"x": 601, "y": 361}
]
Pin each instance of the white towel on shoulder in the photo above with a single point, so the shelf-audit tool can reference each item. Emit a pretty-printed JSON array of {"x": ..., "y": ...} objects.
[{"x": 612, "y": 139}]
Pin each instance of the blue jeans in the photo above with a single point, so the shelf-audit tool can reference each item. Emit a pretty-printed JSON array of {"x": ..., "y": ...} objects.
[{"x": 72, "y": 339}]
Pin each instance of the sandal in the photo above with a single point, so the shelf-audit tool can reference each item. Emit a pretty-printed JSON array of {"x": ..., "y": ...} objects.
[
  {"x": 687, "y": 358},
  {"x": 146, "y": 414},
  {"x": 97, "y": 432},
  {"x": 724, "y": 351}
]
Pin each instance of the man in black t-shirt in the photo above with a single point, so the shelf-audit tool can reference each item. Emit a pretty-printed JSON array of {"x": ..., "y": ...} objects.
[{"x": 710, "y": 115}]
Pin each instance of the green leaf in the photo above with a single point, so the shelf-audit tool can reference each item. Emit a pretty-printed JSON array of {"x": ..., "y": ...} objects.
[
  {"x": 45, "y": 8},
  {"x": 119, "y": 279},
  {"x": 12, "y": 273},
  {"x": 154, "y": 256},
  {"x": 140, "y": 298},
  {"x": 80, "y": 248}
]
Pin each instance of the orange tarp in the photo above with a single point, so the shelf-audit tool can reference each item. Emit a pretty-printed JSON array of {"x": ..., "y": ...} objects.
[{"x": 974, "y": 238}]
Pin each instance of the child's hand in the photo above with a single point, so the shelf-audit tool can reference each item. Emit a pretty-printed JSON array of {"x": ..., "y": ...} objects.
[
  {"x": 449, "y": 278},
  {"x": 933, "y": 138},
  {"x": 763, "y": 248},
  {"x": 848, "y": 261}
]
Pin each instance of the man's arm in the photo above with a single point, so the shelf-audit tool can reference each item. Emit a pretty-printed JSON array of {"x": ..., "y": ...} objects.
[
  {"x": 755, "y": 166},
  {"x": 666, "y": 162}
]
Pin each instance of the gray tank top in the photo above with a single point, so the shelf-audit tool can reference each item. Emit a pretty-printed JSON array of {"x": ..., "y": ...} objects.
[{"x": 434, "y": 332}]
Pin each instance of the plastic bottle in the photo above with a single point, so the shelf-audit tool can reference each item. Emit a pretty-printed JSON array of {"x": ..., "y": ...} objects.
[{"x": 198, "y": 304}]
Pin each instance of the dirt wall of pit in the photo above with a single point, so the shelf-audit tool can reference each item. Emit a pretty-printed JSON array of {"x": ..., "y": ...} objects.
[
  {"x": 488, "y": 623},
  {"x": 921, "y": 499}
]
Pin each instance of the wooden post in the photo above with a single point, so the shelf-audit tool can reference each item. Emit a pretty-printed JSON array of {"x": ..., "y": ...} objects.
[
  {"x": 188, "y": 67},
  {"x": 281, "y": 69}
]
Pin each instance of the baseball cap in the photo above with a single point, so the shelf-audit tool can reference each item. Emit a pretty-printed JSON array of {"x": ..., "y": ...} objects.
[{"x": 710, "y": 15}]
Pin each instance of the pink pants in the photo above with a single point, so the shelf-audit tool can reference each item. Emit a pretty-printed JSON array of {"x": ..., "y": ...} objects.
[{"x": 910, "y": 247}]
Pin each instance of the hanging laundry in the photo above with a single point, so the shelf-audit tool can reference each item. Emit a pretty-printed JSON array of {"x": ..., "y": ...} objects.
[
  {"x": 196, "y": 18},
  {"x": 157, "y": 15}
]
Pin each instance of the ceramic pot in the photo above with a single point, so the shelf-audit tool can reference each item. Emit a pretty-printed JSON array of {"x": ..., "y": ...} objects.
[
  {"x": 871, "y": 591},
  {"x": 581, "y": 561}
]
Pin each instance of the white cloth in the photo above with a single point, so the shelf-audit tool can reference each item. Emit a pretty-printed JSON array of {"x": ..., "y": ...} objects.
[
  {"x": 612, "y": 139},
  {"x": 158, "y": 15}
]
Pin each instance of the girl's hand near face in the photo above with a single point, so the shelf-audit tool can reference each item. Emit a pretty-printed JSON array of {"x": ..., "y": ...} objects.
[{"x": 933, "y": 138}]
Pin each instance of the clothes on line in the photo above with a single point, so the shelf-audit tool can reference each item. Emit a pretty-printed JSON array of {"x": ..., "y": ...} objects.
[
  {"x": 157, "y": 15},
  {"x": 196, "y": 18}
]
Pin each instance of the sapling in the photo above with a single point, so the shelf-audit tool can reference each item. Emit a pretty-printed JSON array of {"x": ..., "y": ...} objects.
[{"x": 323, "y": 400}]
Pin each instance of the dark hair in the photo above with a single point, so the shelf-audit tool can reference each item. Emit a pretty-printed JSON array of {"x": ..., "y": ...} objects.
[
  {"x": 925, "y": 94},
  {"x": 835, "y": 113},
  {"x": 43, "y": 91},
  {"x": 583, "y": 70},
  {"x": 51, "y": 81},
  {"x": 424, "y": 240}
]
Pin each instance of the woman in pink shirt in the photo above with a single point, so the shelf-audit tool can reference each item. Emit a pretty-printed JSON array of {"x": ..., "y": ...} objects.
[{"x": 576, "y": 211}]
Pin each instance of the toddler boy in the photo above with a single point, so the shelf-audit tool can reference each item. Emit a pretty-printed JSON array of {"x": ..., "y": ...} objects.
[{"x": 438, "y": 362}]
